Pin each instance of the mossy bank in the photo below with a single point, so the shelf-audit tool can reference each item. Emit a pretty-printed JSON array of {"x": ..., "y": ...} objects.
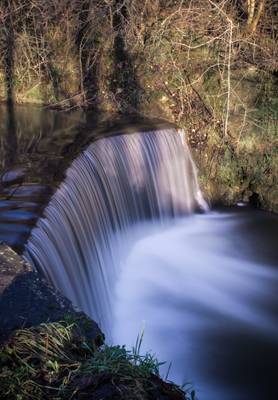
[{"x": 52, "y": 351}]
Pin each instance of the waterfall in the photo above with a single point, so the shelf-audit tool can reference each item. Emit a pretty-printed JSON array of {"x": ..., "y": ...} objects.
[{"x": 115, "y": 183}]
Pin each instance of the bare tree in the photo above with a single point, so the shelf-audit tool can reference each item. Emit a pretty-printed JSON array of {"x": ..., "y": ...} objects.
[{"x": 254, "y": 10}]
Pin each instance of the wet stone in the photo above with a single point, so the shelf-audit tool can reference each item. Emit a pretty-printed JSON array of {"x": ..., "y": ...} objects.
[
  {"x": 26, "y": 300},
  {"x": 13, "y": 176},
  {"x": 11, "y": 265}
]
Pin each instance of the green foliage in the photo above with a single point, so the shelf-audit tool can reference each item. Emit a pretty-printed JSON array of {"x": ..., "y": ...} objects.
[{"x": 52, "y": 361}]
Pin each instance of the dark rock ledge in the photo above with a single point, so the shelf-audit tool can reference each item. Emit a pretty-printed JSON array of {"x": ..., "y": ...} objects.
[
  {"x": 27, "y": 300},
  {"x": 49, "y": 350}
]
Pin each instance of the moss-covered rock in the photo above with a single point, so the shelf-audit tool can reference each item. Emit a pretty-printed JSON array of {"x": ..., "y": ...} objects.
[{"x": 56, "y": 361}]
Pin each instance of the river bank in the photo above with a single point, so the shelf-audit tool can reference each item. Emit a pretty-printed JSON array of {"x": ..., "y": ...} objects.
[
  {"x": 50, "y": 350},
  {"x": 216, "y": 80}
]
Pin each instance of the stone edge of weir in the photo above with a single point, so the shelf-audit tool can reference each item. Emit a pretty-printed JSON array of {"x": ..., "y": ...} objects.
[{"x": 27, "y": 300}]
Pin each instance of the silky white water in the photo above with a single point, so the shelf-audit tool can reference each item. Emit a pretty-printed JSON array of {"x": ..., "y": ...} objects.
[
  {"x": 119, "y": 239},
  {"x": 117, "y": 182},
  {"x": 206, "y": 302}
]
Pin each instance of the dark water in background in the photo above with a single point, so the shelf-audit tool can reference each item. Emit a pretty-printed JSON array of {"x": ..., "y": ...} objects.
[
  {"x": 205, "y": 289},
  {"x": 33, "y": 145},
  {"x": 33, "y": 132},
  {"x": 36, "y": 147},
  {"x": 205, "y": 294}
]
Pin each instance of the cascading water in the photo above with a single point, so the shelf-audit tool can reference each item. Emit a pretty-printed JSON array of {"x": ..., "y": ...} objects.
[
  {"x": 116, "y": 182},
  {"x": 114, "y": 240}
]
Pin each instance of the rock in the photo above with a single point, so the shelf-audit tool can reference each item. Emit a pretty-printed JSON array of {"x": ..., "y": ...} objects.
[
  {"x": 26, "y": 300},
  {"x": 11, "y": 265},
  {"x": 254, "y": 200},
  {"x": 13, "y": 176}
]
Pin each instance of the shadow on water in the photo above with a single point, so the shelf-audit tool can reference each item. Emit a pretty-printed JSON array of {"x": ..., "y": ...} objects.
[
  {"x": 29, "y": 170},
  {"x": 94, "y": 128},
  {"x": 47, "y": 141}
]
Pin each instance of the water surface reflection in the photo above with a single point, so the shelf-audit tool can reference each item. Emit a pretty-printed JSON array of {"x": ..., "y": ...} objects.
[{"x": 32, "y": 142}]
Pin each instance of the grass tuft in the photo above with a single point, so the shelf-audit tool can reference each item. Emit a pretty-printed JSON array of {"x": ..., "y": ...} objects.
[{"x": 53, "y": 361}]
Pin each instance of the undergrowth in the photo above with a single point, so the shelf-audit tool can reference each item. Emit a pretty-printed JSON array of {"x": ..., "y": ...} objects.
[{"x": 52, "y": 361}]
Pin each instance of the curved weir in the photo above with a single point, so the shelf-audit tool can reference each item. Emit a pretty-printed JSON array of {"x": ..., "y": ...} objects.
[{"x": 117, "y": 182}]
